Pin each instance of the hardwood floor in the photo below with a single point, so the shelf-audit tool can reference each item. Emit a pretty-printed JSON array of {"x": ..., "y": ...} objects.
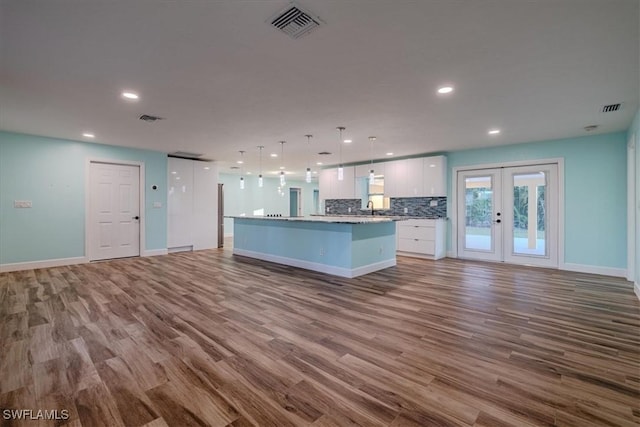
[{"x": 207, "y": 338}]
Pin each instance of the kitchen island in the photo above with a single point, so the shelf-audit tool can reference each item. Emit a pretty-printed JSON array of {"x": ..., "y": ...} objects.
[{"x": 341, "y": 246}]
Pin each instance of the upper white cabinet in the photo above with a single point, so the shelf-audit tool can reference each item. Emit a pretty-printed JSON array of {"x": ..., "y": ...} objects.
[
  {"x": 419, "y": 177},
  {"x": 332, "y": 188},
  {"x": 363, "y": 170},
  {"x": 435, "y": 176}
]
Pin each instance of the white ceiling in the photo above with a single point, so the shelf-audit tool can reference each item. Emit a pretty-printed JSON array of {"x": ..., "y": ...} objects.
[{"x": 225, "y": 80}]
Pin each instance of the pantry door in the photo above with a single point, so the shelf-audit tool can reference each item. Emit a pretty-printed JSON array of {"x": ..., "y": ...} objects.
[{"x": 509, "y": 214}]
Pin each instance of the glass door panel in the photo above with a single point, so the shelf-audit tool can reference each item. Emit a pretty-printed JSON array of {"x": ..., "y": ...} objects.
[
  {"x": 479, "y": 199},
  {"x": 530, "y": 194}
]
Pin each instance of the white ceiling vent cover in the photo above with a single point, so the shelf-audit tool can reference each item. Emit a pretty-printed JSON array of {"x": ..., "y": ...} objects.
[{"x": 295, "y": 22}]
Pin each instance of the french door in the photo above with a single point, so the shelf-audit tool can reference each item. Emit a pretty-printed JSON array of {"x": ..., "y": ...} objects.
[{"x": 509, "y": 214}]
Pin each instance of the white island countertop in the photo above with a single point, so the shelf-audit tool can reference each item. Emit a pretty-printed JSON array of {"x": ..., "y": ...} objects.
[{"x": 329, "y": 219}]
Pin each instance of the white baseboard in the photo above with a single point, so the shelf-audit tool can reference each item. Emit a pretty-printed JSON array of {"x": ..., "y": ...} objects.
[
  {"x": 155, "y": 252},
  {"x": 451, "y": 254},
  {"x": 32, "y": 265},
  {"x": 314, "y": 266},
  {"x": 180, "y": 249},
  {"x": 636, "y": 289},
  {"x": 593, "y": 269}
]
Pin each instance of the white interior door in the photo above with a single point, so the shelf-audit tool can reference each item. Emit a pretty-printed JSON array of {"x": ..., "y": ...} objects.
[
  {"x": 114, "y": 224},
  {"x": 509, "y": 214},
  {"x": 480, "y": 214}
]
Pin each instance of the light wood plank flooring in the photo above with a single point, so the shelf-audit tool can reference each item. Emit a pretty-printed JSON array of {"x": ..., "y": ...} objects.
[{"x": 210, "y": 339}]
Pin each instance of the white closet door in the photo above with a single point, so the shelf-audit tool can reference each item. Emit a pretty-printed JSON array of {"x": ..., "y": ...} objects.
[{"x": 114, "y": 228}]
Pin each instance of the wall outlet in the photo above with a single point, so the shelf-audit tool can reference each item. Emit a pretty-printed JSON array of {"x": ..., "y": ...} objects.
[
  {"x": 406, "y": 210},
  {"x": 157, "y": 204},
  {"x": 321, "y": 251},
  {"x": 21, "y": 204},
  {"x": 349, "y": 210}
]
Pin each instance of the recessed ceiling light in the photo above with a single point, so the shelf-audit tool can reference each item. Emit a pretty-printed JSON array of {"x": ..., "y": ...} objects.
[
  {"x": 248, "y": 173},
  {"x": 348, "y": 141},
  {"x": 315, "y": 172},
  {"x": 173, "y": 172},
  {"x": 281, "y": 167},
  {"x": 445, "y": 89},
  {"x": 88, "y": 135},
  {"x": 130, "y": 95},
  {"x": 494, "y": 131},
  {"x": 273, "y": 155},
  {"x": 239, "y": 162},
  {"x": 389, "y": 154},
  {"x": 319, "y": 163},
  {"x": 205, "y": 168}
]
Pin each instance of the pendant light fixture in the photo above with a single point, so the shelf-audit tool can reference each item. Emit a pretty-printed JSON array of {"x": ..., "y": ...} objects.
[
  {"x": 372, "y": 176},
  {"x": 241, "y": 161},
  {"x": 260, "y": 183},
  {"x": 308, "y": 174},
  {"x": 282, "y": 179},
  {"x": 340, "y": 167}
]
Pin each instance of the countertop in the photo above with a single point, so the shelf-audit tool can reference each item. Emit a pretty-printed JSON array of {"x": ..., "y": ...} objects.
[{"x": 347, "y": 219}]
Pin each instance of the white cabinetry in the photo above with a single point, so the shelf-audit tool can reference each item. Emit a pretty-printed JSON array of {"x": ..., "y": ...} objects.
[
  {"x": 192, "y": 205},
  {"x": 421, "y": 238},
  {"x": 332, "y": 188},
  {"x": 435, "y": 176},
  {"x": 419, "y": 177}
]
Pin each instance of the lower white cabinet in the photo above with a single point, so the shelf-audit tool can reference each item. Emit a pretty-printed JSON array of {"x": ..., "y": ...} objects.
[{"x": 421, "y": 238}]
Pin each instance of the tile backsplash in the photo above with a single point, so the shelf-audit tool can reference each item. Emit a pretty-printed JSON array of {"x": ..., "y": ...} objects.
[{"x": 415, "y": 206}]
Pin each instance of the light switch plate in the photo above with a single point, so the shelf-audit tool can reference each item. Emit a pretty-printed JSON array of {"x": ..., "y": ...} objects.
[
  {"x": 21, "y": 204},
  {"x": 157, "y": 204}
]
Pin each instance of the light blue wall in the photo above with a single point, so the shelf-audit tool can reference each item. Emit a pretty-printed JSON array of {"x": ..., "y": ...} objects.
[
  {"x": 252, "y": 198},
  {"x": 635, "y": 130},
  {"x": 51, "y": 173},
  {"x": 595, "y": 191}
]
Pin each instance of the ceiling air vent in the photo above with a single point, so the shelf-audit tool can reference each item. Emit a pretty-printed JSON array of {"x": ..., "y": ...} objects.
[
  {"x": 610, "y": 108},
  {"x": 295, "y": 22},
  {"x": 324, "y": 153},
  {"x": 150, "y": 119}
]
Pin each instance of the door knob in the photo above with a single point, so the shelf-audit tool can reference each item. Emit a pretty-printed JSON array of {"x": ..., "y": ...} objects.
[
  {"x": 497, "y": 221},
  {"x": 136, "y": 217}
]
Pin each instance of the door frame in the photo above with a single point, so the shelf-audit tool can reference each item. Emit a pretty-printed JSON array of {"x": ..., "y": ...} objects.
[
  {"x": 534, "y": 162},
  {"x": 87, "y": 199}
]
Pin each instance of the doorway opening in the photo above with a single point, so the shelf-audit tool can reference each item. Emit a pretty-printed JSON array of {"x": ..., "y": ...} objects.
[{"x": 295, "y": 201}]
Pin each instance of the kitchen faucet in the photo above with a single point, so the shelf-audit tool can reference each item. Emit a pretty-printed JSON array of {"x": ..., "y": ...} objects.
[{"x": 370, "y": 202}]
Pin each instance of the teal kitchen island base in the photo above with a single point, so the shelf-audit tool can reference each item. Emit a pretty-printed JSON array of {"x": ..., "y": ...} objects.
[{"x": 346, "y": 247}]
